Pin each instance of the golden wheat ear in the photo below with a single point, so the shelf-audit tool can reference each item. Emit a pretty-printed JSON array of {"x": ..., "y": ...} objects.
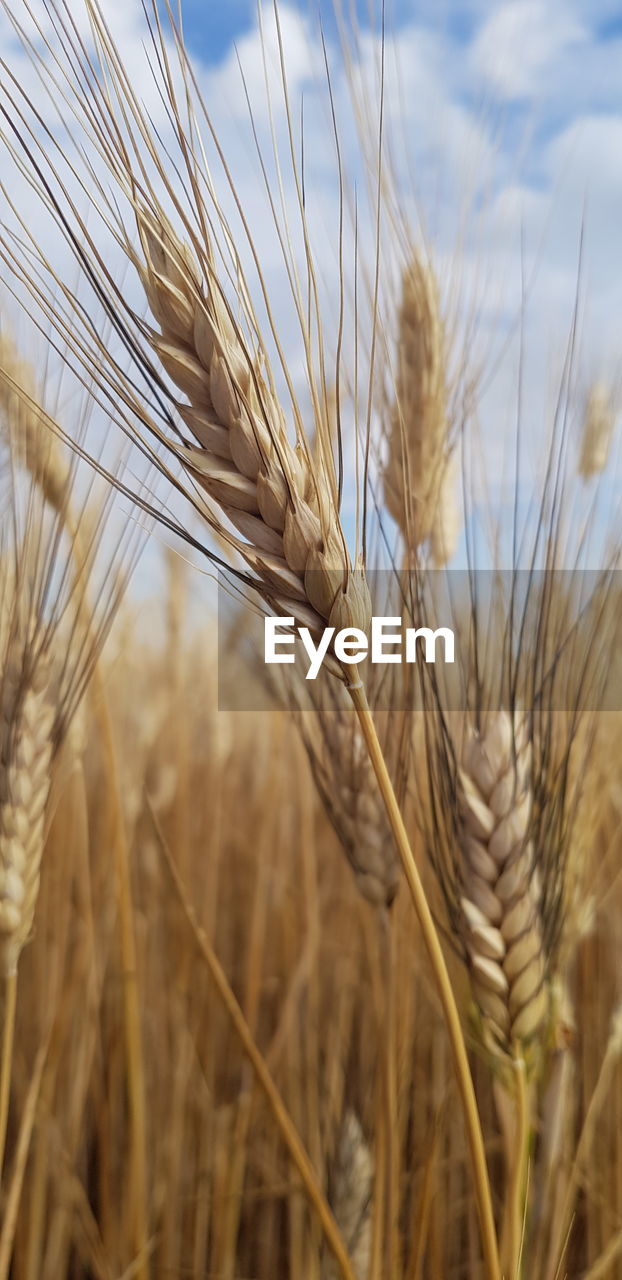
[
  {"x": 33, "y": 444},
  {"x": 26, "y": 748},
  {"x": 417, "y": 438},
  {"x": 351, "y": 1196},
  {"x": 599, "y": 420},
  {"x": 271, "y": 493},
  {"x": 500, "y": 904},
  {"x": 346, "y": 783}
]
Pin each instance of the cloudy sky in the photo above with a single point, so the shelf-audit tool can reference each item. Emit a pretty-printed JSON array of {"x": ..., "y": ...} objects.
[{"x": 505, "y": 126}]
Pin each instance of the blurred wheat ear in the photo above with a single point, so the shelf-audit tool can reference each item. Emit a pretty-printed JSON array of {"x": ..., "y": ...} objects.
[
  {"x": 51, "y": 557},
  {"x": 418, "y": 482},
  {"x": 597, "y": 431}
]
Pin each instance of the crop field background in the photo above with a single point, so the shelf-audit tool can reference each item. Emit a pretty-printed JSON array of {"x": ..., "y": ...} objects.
[{"x": 309, "y": 313}]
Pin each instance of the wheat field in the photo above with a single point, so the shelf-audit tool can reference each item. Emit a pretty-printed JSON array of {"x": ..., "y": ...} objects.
[{"x": 300, "y": 979}]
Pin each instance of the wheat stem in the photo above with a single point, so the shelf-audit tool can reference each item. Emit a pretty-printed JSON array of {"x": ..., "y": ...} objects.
[
  {"x": 131, "y": 1003},
  {"x": 450, "y": 1009},
  {"x": 8, "y": 1031},
  {"x": 586, "y": 1137},
  {"x": 517, "y": 1157}
]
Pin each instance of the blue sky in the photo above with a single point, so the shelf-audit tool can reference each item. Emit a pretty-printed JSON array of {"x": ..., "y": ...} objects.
[{"x": 506, "y": 120}]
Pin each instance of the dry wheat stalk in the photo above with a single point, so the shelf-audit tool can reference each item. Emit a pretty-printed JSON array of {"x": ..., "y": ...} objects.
[
  {"x": 500, "y": 903},
  {"x": 597, "y": 432},
  {"x": 26, "y": 749},
  {"x": 418, "y": 434}
]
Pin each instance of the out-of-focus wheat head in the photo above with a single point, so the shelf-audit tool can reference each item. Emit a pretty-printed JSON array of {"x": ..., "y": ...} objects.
[
  {"x": 345, "y": 780},
  {"x": 418, "y": 434},
  {"x": 351, "y": 1196},
  {"x": 49, "y": 637},
  {"x": 33, "y": 443},
  {"x": 500, "y": 904},
  {"x": 447, "y": 523},
  {"x": 26, "y": 748},
  {"x": 597, "y": 431}
]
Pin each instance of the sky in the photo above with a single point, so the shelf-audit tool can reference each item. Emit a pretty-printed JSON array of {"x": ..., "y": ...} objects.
[
  {"x": 520, "y": 104},
  {"x": 504, "y": 122}
]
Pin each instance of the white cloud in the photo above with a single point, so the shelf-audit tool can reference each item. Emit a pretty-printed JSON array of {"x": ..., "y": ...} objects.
[{"x": 519, "y": 42}]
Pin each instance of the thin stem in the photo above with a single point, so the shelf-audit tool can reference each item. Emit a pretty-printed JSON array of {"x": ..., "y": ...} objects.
[
  {"x": 586, "y": 1136},
  {"x": 517, "y": 1156},
  {"x": 131, "y": 1001},
  {"x": 439, "y": 968},
  {"x": 391, "y": 1253},
  {"x": 8, "y": 1032}
]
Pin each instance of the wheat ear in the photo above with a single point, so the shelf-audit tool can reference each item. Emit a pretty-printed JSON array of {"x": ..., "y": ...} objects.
[
  {"x": 26, "y": 724},
  {"x": 502, "y": 933},
  {"x": 443, "y": 982},
  {"x": 351, "y": 1195},
  {"x": 447, "y": 522},
  {"x": 345, "y": 780},
  {"x": 283, "y": 506},
  {"x": 500, "y": 906},
  {"x": 32, "y": 442},
  {"x": 597, "y": 431},
  {"x": 417, "y": 438}
]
